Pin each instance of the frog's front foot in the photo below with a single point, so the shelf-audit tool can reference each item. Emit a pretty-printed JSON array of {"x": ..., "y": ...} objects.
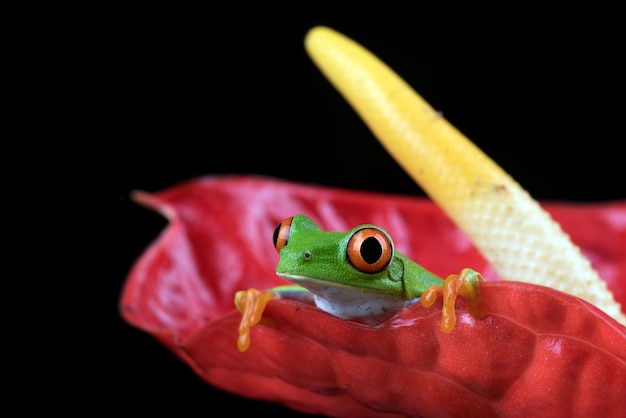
[
  {"x": 251, "y": 304},
  {"x": 466, "y": 284}
]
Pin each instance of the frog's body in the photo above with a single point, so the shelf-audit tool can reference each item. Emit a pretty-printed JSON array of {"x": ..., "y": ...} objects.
[{"x": 353, "y": 275}]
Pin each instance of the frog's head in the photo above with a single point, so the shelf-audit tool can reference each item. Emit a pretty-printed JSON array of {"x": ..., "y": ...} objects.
[{"x": 342, "y": 268}]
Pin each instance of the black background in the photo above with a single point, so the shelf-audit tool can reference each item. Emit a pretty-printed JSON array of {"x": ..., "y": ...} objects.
[{"x": 169, "y": 91}]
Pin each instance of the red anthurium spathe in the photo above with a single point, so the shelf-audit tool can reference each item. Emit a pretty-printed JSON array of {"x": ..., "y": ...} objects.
[{"x": 539, "y": 352}]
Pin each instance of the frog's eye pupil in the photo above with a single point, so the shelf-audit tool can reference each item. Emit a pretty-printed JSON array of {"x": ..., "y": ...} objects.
[
  {"x": 369, "y": 250},
  {"x": 276, "y": 232},
  {"x": 281, "y": 234}
]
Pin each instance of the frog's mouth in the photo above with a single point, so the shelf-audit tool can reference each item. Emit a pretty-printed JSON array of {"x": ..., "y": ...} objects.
[
  {"x": 349, "y": 302},
  {"x": 315, "y": 284}
]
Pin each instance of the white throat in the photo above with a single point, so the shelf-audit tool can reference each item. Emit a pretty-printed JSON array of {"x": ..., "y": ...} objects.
[{"x": 351, "y": 303}]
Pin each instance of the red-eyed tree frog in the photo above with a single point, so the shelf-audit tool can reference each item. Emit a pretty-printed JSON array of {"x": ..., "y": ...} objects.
[{"x": 356, "y": 275}]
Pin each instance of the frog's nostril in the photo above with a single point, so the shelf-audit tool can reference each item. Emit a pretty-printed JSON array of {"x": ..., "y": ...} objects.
[{"x": 307, "y": 255}]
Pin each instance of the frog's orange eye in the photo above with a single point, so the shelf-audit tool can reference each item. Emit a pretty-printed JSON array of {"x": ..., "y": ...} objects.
[
  {"x": 281, "y": 234},
  {"x": 369, "y": 250}
]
